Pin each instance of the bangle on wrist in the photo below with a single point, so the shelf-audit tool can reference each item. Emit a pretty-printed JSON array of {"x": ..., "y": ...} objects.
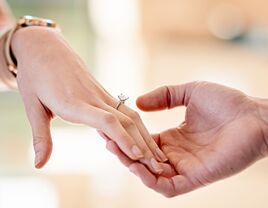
[{"x": 26, "y": 21}]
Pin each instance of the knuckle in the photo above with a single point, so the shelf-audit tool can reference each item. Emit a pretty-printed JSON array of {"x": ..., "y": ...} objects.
[
  {"x": 134, "y": 115},
  {"x": 109, "y": 118},
  {"x": 127, "y": 123}
]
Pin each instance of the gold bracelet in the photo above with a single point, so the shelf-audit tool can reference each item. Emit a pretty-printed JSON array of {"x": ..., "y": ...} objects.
[
  {"x": 26, "y": 21},
  {"x": 6, "y": 78}
]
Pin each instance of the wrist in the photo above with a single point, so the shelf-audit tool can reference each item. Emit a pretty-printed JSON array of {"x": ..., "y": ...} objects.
[{"x": 27, "y": 41}]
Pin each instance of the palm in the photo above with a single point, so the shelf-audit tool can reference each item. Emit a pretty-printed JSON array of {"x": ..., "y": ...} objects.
[{"x": 219, "y": 137}]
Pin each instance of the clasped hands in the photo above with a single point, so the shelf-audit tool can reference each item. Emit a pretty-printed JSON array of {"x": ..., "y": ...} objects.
[{"x": 224, "y": 130}]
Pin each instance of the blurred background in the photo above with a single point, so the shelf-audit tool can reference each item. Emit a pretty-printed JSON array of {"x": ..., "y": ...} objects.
[{"x": 131, "y": 47}]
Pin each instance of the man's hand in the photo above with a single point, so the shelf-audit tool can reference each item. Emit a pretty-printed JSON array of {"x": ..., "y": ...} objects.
[{"x": 222, "y": 134}]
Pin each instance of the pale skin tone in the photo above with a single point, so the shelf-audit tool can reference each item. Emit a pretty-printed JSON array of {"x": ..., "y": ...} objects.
[
  {"x": 54, "y": 82},
  {"x": 224, "y": 132}
]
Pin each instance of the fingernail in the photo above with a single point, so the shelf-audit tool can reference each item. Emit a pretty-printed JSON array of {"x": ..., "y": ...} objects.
[
  {"x": 156, "y": 166},
  {"x": 37, "y": 160},
  {"x": 137, "y": 152},
  {"x": 161, "y": 155}
]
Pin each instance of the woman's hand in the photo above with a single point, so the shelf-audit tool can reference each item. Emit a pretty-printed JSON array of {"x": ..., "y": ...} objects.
[
  {"x": 54, "y": 81},
  {"x": 224, "y": 132}
]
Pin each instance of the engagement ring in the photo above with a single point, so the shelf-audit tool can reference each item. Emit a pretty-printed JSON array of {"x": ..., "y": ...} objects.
[{"x": 122, "y": 99}]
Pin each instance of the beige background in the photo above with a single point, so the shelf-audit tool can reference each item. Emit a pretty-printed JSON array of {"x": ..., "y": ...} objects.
[{"x": 140, "y": 45}]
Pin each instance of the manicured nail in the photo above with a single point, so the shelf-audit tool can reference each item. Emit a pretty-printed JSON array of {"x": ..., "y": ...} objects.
[
  {"x": 161, "y": 156},
  {"x": 137, "y": 152},
  {"x": 156, "y": 166}
]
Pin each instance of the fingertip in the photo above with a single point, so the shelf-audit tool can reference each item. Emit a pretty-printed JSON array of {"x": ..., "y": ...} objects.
[
  {"x": 140, "y": 103},
  {"x": 153, "y": 101},
  {"x": 42, "y": 155},
  {"x": 37, "y": 162},
  {"x": 40, "y": 162},
  {"x": 39, "y": 165}
]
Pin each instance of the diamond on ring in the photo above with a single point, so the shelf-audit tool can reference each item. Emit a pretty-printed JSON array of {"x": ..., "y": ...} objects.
[{"x": 122, "y": 99}]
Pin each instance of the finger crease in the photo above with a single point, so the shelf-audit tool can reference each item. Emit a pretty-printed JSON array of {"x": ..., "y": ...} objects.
[{"x": 168, "y": 98}]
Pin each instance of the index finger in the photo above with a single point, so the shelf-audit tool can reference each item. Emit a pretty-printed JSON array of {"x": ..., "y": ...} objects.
[{"x": 166, "y": 97}]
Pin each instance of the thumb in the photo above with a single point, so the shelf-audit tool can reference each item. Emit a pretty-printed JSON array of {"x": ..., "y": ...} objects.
[
  {"x": 166, "y": 97},
  {"x": 39, "y": 119}
]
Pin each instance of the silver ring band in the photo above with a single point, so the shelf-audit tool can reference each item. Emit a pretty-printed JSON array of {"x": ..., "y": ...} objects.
[{"x": 118, "y": 105}]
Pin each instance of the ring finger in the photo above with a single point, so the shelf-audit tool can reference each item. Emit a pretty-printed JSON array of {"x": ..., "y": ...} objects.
[{"x": 131, "y": 128}]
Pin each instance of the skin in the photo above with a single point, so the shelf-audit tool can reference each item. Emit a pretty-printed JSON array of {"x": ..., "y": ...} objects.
[
  {"x": 54, "y": 82},
  {"x": 224, "y": 132}
]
